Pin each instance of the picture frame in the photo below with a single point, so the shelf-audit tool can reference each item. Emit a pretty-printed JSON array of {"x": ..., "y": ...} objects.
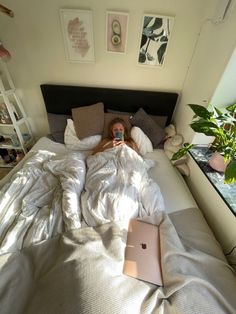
[
  {"x": 116, "y": 31},
  {"x": 154, "y": 39},
  {"x": 77, "y": 30}
]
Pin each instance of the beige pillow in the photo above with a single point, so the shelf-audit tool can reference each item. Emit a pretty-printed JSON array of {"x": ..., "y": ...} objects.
[
  {"x": 110, "y": 116},
  {"x": 88, "y": 120}
]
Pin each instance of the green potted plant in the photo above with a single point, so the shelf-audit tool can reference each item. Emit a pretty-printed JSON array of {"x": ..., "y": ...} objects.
[{"x": 221, "y": 125}]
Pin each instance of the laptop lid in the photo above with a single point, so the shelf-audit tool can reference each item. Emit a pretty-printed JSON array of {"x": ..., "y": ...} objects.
[{"x": 142, "y": 252}]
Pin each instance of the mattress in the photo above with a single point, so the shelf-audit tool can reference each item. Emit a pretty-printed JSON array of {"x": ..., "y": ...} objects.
[{"x": 173, "y": 187}]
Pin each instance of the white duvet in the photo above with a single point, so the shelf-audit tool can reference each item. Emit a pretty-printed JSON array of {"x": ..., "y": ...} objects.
[
  {"x": 44, "y": 197},
  {"x": 118, "y": 187},
  {"x": 41, "y": 200}
]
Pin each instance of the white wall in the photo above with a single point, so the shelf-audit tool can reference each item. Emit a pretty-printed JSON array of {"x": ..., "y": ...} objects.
[
  {"x": 225, "y": 93},
  {"x": 35, "y": 41},
  {"x": 214, "y": 48}
]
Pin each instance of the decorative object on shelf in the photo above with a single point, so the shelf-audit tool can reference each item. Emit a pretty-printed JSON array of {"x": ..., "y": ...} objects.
[
  {"x": 77, "y": 29},
  {"x": 14, "y": 140},
  {"x": 221, "y": 125},
  {"x": 4, "y": 114},
  {"x": 26, "y": 137},
  {"x": 8, "y": 156},
  {"x": 116, "y": 31},
  {"x": 19, "y": 156},
  {"x": 154, "y": 39},
  {"x": 4, "y": 53}
]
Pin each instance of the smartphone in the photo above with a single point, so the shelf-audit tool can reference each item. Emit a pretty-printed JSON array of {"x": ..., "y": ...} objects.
[{"x": 119, "y": 136}]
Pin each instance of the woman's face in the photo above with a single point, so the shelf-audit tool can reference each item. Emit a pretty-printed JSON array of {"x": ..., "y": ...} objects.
[{"x": 117, "y": 127}]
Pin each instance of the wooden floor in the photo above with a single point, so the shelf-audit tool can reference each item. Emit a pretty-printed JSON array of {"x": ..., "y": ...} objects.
[{"x": 4, "y": 171}]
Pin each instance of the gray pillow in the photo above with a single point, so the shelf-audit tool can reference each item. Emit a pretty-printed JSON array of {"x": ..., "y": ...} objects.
[
  {"x": 154, "y": 132},
  {"x": 160, "y": 120},
  {"x": 57, "y": 124}
]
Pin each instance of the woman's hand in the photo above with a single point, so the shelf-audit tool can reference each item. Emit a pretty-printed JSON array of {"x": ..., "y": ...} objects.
[
  {"x": 117, "y": 143},
  {"x": 105, "y": 144}
]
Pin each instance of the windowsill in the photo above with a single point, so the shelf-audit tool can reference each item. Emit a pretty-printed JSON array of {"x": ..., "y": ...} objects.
[{"x": 201, "y": 155}]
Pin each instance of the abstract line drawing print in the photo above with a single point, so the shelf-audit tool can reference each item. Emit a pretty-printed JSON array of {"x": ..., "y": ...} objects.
[{"x": 155, "y": 36}]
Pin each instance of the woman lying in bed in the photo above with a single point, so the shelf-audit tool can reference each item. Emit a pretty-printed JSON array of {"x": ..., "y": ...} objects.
[
  {"x": 118, "y": 186},
  {"x": 118, "y": 135}
]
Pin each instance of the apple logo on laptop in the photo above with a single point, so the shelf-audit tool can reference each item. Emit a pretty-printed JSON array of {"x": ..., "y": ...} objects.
[{"x": 143, "y": 246}]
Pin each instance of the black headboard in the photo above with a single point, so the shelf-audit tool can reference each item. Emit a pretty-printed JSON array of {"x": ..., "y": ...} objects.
[{"x": 60, "y": 99}]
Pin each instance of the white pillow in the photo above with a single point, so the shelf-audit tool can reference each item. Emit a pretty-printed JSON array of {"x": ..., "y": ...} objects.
[
  {"x": 73, "y": 142},
  {"x": 143, "y": 142}
]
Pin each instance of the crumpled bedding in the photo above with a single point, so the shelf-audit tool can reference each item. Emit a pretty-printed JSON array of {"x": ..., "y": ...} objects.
[
  {"x": 41, "y": 200},
  {"x": 49, "y": 264},
  {"x": 44, "y": 197},
  {"x": 118, "y": 187},
  {"x": 81, "y": 272}
]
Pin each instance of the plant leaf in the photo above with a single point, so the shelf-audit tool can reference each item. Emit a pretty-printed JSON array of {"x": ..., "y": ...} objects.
[
  {"x": 164, "y": 39},
  {"x": 231, "y": 108},
  {"x": 182, "y": 151},
  {"x": 157, "y": 24},
  {"x": 206, "y": 127},
  {"x": 230, "y": 173},
  {"x": 201, "y": 111},
  {"x": 147, "y": 20},
  {"x": 155, "y": 37},
  {"x": 150, "y": 57},
  {"x": 217, "y": 110},
  {"x": 143, "y": 40},
  {"x": 160, "y": 53},
  {"x": 142, "y": 57}
]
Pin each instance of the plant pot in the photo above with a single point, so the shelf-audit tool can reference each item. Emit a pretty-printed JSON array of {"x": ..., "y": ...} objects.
[{"x": 217, "y": 162}]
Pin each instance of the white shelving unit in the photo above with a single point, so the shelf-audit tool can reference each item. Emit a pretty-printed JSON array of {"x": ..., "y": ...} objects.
[{"x": 14, "y": 125}]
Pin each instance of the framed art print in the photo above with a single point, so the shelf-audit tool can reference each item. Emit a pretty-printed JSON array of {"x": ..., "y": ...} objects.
[
  {"x": 154, "y": 39},
  {"x": 116, "y": 31},
  {"x": 77, "y": 29}
]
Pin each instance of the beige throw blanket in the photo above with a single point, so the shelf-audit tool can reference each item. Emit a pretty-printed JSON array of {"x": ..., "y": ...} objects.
[{"x": 81, "y": 272}]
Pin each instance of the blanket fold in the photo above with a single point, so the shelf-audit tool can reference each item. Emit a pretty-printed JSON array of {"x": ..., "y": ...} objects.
[
  {"x": 118, "y": 187},
  {"x": 41, "y": 200}
]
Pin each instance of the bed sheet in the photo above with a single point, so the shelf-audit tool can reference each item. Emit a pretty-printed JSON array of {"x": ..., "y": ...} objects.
[{"x": 174, "y": 189}]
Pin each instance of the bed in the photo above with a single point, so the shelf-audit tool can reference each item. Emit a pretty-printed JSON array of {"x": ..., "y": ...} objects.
[{"x": 57, "y": 257}]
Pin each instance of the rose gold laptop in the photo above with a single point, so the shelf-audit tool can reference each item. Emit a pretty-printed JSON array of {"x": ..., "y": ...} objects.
[{"x": 142, "y": 252}]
